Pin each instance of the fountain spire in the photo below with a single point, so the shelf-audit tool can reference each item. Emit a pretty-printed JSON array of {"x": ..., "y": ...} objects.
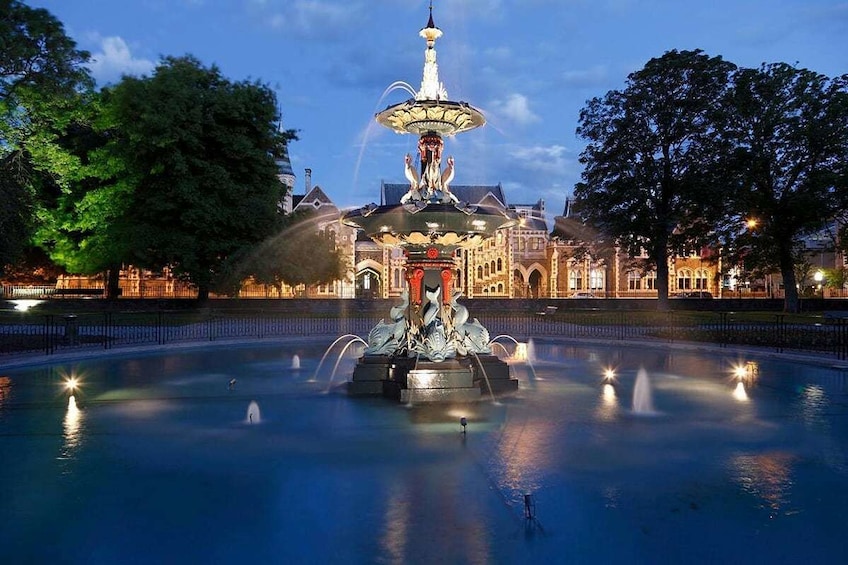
[
  {"x": 430, "y": 112},
  {"x": 431, "y": 87}
]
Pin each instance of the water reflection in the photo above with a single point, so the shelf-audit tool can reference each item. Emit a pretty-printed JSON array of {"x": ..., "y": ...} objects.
[
  {"x": 523, "y": 453},
  {"x": 739, "y": 392},
  {"x": 72, "y": 430},
  {"x": 814, "y": 403},
  {"x": 766, "y": 476},
  {"x": 396, "y": 525},
  {"x": 410, "y": 499},
  {"x": 608, "y": 406},
  {"x": 5, "y": 392}
]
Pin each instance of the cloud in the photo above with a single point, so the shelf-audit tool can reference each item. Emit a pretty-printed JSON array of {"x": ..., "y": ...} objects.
[
  {"x": 547, "y": 159},
  {"x": 114, "y": 60},
  {"x": 515, "y": 108},
  {"x": 315, "y": 19}
]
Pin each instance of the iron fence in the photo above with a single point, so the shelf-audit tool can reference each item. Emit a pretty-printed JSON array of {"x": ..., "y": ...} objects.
[{"x": 25, "y": 333}]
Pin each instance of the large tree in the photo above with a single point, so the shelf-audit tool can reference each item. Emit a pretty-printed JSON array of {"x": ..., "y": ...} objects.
[
  {"x": 651, "y": 178},
  {"x": 41, "y": 76},
  {"x": 789, "y": 127},
  {"x": 195, "y": 172},
  {"x": 82, "y": 221}
]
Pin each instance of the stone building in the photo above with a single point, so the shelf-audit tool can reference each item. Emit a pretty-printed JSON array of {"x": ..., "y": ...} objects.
[{"x": 535, "y": 260}]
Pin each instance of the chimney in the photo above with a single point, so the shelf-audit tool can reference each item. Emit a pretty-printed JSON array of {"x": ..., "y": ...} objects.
[{"x": 308, "y": 179}]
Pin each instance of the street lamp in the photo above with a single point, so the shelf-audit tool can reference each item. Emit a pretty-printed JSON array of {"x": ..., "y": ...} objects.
[{"x": 818, "y": 276}]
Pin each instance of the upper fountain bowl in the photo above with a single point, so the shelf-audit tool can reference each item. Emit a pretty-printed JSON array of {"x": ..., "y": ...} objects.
[
  {"x": 416, "y": 224},
  {"x": 425, "y": 116}
]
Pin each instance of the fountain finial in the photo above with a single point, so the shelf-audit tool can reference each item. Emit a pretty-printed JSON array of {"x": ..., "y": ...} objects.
[{"x": 430, "y": 32}]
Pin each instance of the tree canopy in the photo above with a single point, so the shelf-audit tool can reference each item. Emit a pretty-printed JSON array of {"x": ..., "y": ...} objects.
[
  {"x": 191, "y": 165},
  {"x": 41, "y": 78},
  {"x": 788, "y": 129},
  {"x": 651, "y": 166},
  {"x": 35, "y": 53}
]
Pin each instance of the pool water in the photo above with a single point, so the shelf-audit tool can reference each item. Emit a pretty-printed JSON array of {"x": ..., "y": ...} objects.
[{"x": 159, "y": 459}]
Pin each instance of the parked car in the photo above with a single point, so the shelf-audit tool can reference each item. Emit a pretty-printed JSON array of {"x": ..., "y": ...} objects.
[{"x": 582, "y": 294}]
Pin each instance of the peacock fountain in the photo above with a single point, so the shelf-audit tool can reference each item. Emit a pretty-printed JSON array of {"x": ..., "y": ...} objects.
[{"x": 430, "y": 348}]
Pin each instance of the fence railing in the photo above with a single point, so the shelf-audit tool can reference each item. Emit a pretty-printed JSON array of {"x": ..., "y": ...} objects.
[{"x": 25, "y": 333}]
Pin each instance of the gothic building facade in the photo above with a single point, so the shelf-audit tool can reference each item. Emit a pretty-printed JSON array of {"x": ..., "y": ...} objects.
[{"x": 532, "y": 260}]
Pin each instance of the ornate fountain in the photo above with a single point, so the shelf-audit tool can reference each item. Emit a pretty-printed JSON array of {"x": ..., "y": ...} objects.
[{"x": 430, "y": 349}]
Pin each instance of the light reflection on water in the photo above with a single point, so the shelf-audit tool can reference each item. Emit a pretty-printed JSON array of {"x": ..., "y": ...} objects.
[
  {"x": 523, "y": 455},
  {"x": 608, "y": 407},
  {"x": 814, "y": 403},
  {"x": 396, "y": 524},
  {"x": 739, "y": 392},
  {"x": 767, "y": 476},
  {"x": 72, "y": 431},
  {"x": 5, "y": 392}
]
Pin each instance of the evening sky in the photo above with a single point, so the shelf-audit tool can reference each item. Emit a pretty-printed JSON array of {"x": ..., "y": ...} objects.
[{"x": 529, "y": 65}]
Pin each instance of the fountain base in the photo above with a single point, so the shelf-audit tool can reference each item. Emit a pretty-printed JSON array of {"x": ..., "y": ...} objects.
[{"x": 407, "y": 379}]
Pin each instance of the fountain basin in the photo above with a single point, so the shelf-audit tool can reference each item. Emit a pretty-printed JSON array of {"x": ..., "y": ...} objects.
[
  {"x": 446, "y": 225},
  {"x": 445, "y": 117}
]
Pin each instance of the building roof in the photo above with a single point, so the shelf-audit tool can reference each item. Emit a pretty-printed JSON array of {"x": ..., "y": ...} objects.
[
  {"x": 281, "y": 157},
  {"x": 571, "y": 229},
  {"x": 472, "y": 194},
  {"x": 532, "y": 216},
  {"x": 284, "y": 167},
  {"x": 316, "y": 198}
]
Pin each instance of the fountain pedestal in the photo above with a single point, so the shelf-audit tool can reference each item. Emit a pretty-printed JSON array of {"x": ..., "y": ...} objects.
[{"x": 407, "y": 379}]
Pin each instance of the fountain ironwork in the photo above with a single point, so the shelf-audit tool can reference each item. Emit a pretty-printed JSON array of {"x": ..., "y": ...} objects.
[{"x": 430, "y": 349}]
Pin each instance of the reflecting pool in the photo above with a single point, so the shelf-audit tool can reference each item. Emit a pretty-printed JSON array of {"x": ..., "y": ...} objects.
[{"x": 234, "y": 454}]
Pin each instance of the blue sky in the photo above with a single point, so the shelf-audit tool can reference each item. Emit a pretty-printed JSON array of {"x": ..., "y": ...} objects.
[{"x": 529, "y": 65}]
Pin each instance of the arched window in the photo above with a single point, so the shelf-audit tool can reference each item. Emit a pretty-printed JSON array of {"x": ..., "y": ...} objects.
[
  {"x": 500, "y": 264},
  {"x": 701, "y": 279},
  {"x": 492, "y": 264},
  {"x": 575, "y": 279},
  {"x": 500, "y": 288},
  {"x": 397, "y": 278},
  {"x": 634, "y": 280},
  {"x": 596, "y": 279},
  {"x": 486, "y": 269},
  {"x": 479, "y": 271},
  {"x": 684, "y": 279},
  {"x": 651, "y": 280}
]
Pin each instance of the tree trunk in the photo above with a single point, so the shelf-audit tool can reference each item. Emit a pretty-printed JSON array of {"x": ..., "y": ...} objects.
[
  {"x": 203, "y": 292},
  {"x": 661, "y": 260},
  {"x": 790, "y": 285},
  {"x": 113, "y": 287}
]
